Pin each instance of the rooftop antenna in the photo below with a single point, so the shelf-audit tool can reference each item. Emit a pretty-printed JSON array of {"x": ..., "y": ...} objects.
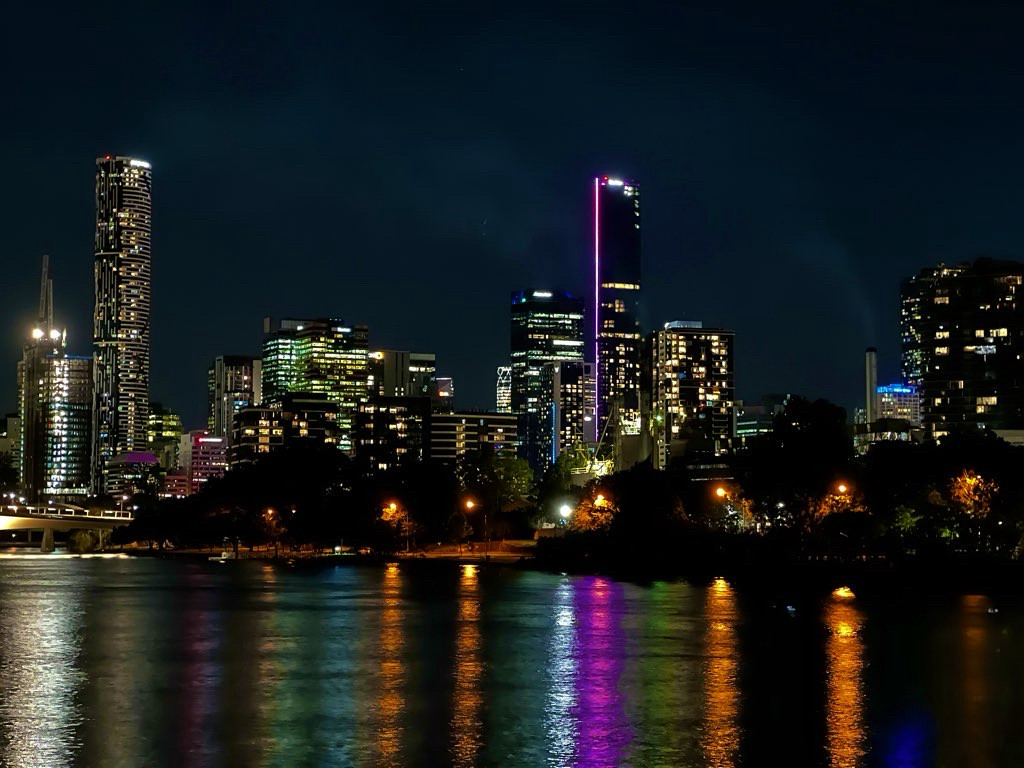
[{"x": 46, "y": 296}]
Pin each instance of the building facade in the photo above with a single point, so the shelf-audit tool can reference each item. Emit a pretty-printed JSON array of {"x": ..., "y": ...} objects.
[
  {"x": 133, "y": 473},
  {"x": 444, "y": 400},
  {"x": 392, "y": 432},
  {"x": 693, "y": 388},
  {"x": 10, "y": 441},
  {"x": 617, "y": 337},
  {"x": 568, "y": 407},
  {"x": 963, "y": 340},
  {"x": 54, "y": 448},
  {"x": 323, "y": 357},
  {"x": 121, "y": 320},
  {"x": 503, "y": 389},
  {"x": 233, "y": 383},
  {"x": 163, "y": 435},
  {"x": 397, "y": 373},
  {"x": 546, "y": 327},
  {"x": 899, "y": 401},
  {"x": 296, "y": 418},
  {"x": 452, "y": 435},
  {"x": 203, "y": 457}
]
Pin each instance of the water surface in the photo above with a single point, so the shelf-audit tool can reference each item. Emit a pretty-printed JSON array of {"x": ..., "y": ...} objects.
[{"x": 141, "y": 662}]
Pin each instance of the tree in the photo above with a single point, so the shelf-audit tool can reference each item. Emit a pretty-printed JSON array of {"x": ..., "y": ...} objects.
[
  {"x": 593, "y": 513},
  {"x": 972, "y": 494},
  {"x": 8, "y": 475},
  {"x": 800, "y": 460},
  {"x": 498, "y": 482}
]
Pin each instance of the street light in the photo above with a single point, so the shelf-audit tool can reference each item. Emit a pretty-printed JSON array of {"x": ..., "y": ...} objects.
[
  {"x": 720, "y": 492},
  {"x": 599, "y": 500},
  {"x": 842, "y": 488},
  {"x": 470, "y": 505},
  {"x": 565, "y": 511}
]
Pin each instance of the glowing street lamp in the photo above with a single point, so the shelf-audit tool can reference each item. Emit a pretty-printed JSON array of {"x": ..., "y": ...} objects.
[
  {"x": 565, "y": 511},
  {"x": 599, "y": 500},
  {"x": 720, "y": 492},
  {"x": 842, "y": 488}
]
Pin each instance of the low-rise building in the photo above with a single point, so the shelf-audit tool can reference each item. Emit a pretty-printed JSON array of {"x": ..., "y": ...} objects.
[
  {"x": 295, "y": 417},
  {"x": 203, "y": 456}
]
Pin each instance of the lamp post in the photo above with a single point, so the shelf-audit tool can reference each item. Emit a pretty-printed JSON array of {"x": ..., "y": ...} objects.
[{"x": 470, "y": 505}]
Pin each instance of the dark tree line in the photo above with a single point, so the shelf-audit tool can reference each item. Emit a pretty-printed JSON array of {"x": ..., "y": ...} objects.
[{"x": 315, "y": 495}]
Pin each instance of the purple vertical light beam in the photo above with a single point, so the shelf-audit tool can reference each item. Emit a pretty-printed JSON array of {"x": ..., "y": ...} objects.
[{"x": 597, "y": 306}]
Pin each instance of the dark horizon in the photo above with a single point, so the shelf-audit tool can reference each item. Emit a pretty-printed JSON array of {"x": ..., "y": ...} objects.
[{"x": 409, "y": 170}]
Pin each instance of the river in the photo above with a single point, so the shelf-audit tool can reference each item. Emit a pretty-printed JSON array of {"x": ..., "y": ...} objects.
[{"x": 142, "y": 662}]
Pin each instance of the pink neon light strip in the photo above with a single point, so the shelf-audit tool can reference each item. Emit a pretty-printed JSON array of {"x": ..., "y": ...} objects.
[{"x": 597, "y": 305}]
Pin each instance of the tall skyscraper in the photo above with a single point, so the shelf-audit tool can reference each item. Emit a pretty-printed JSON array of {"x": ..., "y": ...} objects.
[
  {"x": 503, "y": 389},
  {"x": 323, "y": 357},
  {"x": 233, "y": 383},
  {"x": 617, "y": 339},
  {"x": 963, "y": 342},
  {"x": 547, "y": 327},
  {"x": 693, "y": 388},
  {"x": 122, "y": 309},
  {"x": 55, "y": 406}
]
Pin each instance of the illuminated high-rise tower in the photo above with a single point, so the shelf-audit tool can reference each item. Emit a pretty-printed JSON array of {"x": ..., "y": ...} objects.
[
  {"x": 54, "y": 403},
  {"x": 233, "y": 382},
  {"x": 122, "y": 310},
  {"x": 963, "y": 337},
  {"x": 617, "y": 339},
  {"x": 325, "y": 357},
  {"x": 547, "y": 327}
]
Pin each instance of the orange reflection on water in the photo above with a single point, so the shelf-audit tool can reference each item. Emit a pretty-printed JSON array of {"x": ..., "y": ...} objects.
[
  {"x": 391, "y": 700},
  {"x": 845, "y": 659},
  {"x": 974, "y": 644},
  {"x": 720, "y": 737},
  {"x": 466, "y": 723}
]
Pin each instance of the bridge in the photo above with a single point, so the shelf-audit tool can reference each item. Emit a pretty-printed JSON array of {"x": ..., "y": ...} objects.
[{"x": 59, "y": 517}]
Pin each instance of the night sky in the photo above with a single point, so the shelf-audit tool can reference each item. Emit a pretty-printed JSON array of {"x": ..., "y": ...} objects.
[{"x": 407, "y": 165}]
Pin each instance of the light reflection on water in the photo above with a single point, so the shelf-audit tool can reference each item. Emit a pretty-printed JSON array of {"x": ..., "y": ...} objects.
[
  {"x": 974, "y": 662},
  {"x": 603, "y": 732},
  {"x": 721, "y": 688},
  {"x": 391, "y": 700},
  {"x": 39, "y": 675},
  {"x": 560, "y": 726},
  {"x": 845, "y": 662},
  {"x": 466, "y": 724},
  {"x": 131, "y": 663}
]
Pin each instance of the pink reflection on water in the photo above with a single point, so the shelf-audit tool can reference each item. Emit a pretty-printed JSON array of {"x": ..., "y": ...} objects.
[{"x": 603, "y": 731}]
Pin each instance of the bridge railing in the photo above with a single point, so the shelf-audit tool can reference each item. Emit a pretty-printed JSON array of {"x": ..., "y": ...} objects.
[{"x": 72, "y": 512}]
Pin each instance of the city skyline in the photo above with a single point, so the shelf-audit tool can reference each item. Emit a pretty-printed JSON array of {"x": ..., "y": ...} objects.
[{"x": 768, "y": 193}]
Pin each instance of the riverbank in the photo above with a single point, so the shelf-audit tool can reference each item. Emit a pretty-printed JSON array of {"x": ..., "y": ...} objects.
[{"x": 817, "y": 576}]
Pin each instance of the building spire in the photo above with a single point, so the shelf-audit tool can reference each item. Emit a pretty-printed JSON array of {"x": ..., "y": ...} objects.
[{"x": 46, "y": 296}]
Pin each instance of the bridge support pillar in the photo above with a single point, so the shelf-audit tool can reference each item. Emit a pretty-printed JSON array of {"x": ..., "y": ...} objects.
[{"x": 47, "y": 544}]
